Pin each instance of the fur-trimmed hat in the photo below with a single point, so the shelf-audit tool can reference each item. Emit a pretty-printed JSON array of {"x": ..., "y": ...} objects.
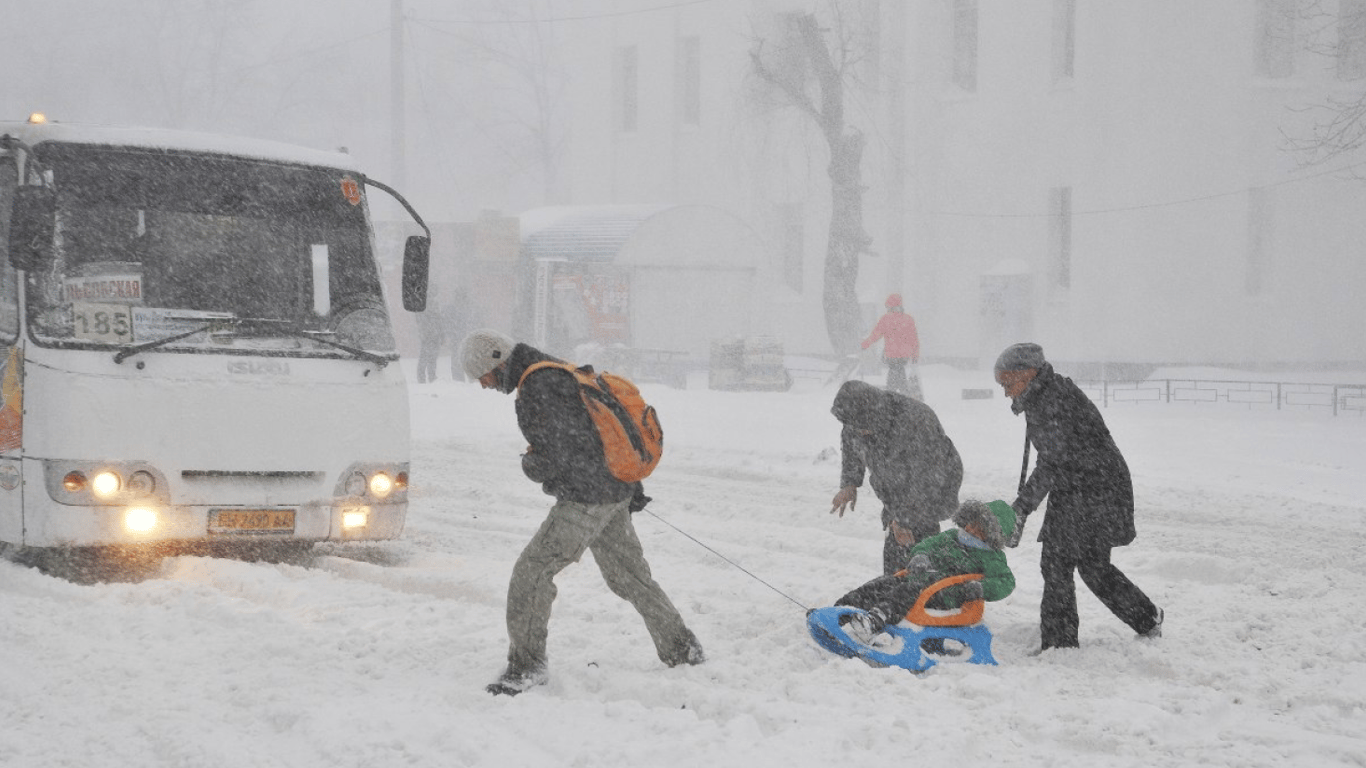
[
  {"x": 987, "y": 519},
  {"x": 1020, "y": 357},
  {"x": 483, "y": 351}
]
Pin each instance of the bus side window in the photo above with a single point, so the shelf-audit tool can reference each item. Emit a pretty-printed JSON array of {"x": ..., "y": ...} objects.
[{"x": 9, "y": 294}]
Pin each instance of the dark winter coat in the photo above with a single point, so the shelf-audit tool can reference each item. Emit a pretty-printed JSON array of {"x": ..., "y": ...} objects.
[
  {"x": 912, "y": 465},
  {"x": 1079, "y": 468},
  {"x": 564, "y": 453}
]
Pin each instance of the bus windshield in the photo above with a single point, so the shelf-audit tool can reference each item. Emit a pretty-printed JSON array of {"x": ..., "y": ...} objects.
[{"x": 186, "y": 251}]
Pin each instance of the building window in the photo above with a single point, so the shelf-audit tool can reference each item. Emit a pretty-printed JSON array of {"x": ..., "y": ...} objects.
[
  {"x": 1351, "y": 40},
  {"x": 690, "y": 80},
  {"x": 1064, "y": 39},
  {"x": 628, "y": 88},
  {"x": 1060, "y": 236},
  {"x": 965, "y": 44},
  {"x": 791, "y": 240},
  {"x": 1275, "y": 43},
  {"x": 1260, "y": 214}
]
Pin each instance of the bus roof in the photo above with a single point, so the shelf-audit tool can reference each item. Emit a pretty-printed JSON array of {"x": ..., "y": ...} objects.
[{"x": 161, "y": 138}]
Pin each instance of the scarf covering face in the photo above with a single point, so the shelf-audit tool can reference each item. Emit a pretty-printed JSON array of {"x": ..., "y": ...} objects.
[{"x": 968, "y": 540}]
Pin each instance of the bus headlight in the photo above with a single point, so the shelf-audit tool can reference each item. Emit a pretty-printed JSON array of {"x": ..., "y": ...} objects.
[
  {"x": 355, "y": 517},
  {"x": 380, "y": 485},
  {"x": 105, "y": 484},
  {"x": 374, "y": 483},
  {"x": 139, "y": 519}
]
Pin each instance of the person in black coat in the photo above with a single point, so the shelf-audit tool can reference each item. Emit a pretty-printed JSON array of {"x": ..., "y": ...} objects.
[
  {"x": 1090, "y": 498},
  {"x": 911, "y": 463}
]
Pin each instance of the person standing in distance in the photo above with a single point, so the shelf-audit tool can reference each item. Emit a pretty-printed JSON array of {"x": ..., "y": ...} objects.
[
  {"x": 430, "y": 331},
  {"x": 911, "y": 463},
  {"x": 1090, "y": 498},
  {"x": 902, "y": 346},
  {"x": 592, "y": 511}
]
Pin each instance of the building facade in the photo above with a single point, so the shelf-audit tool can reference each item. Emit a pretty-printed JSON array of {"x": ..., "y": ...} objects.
[{"x": 1116, "y": 181}]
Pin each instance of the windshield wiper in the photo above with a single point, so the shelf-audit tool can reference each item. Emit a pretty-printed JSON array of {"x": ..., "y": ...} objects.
[
  {"x": 284, "y": 328},
  {"x": 127, "y": 352},
  {"x": 269, "y": 327}
]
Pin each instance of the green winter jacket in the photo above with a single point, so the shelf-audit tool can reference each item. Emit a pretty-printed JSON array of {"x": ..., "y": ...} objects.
[{"x": 950, "y": 557}]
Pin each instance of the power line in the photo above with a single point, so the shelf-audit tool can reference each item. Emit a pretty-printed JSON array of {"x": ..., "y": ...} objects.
[
  {"x": 308, "y": 52},
  {"x": 1149, "y": 206}
]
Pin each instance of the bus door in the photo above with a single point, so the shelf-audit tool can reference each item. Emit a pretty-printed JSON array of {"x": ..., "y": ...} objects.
[{"x": 11, "y": 371}]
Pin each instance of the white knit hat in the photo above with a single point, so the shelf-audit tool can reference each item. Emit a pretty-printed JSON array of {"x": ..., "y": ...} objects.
[{"x": 483, "y": 351}]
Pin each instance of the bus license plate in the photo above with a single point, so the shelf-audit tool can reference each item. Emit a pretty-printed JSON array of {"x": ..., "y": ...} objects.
[{"x": 252, "y": 521}]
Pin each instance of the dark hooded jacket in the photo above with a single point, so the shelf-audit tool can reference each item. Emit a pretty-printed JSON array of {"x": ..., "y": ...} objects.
[
  {"x": 564, "y": 453},
  {"x": 912, "y": 465},
  {"x": 1079, "y": 467}
]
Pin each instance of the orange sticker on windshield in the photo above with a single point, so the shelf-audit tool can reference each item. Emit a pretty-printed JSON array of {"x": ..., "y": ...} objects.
[{"x": 350, "y": 190}]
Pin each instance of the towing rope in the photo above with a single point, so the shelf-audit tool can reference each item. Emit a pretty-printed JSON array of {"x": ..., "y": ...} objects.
[{"x": 741, "y": 568}]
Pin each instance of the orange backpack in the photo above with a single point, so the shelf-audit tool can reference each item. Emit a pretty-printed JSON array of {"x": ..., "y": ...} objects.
[{"x": 632, "y": 439}]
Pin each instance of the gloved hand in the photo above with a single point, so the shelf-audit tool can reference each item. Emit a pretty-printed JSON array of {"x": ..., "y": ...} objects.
[
  {"x": 1013, "y": 540},
  {"x": 638, "y": 498},
  {"x": 535, "y": 467},
  {"x": 919, "y": 564},
  {"x": 971, "y": 590}
]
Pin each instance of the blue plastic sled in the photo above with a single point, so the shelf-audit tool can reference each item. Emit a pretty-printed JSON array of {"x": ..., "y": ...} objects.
[
  {"x": 904, "y": 642},
  {"x": 904, "y": 651}
]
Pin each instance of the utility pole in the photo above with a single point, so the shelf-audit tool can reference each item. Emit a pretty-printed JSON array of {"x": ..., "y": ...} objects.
[
  {"x": 897, "y": 70},
  {"x": 397, "y": 122}
]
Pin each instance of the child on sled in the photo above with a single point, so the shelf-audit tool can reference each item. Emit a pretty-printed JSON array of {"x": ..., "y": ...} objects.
[{"x": 976, "y": 546}]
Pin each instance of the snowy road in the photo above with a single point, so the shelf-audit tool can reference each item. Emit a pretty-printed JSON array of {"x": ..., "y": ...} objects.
[{"x": 1250, "y": 534}]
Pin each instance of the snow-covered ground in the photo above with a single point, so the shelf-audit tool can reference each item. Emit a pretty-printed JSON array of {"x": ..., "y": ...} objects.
[{"x": 1250, "y": 535}]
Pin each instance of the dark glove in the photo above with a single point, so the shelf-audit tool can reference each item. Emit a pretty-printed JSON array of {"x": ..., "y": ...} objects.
[
  {"x": 535, "y": 468},
  {"x": 971, "y": 590},
  {"x": 638, "y": 499},
  {"x": 918, "y": 564},
  {"x": 1020, "y": 517}
]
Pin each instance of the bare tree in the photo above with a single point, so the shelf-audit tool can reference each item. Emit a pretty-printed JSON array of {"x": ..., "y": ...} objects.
[
  {"x": 196, "y": 50},
  {"x": 821, "y": 97},
  {"x": 1338, "y": 128},
  {"x": 510, "y": 47}
]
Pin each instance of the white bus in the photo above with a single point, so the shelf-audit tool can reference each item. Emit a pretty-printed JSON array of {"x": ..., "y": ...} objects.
[{"x": 194, "y": 345}]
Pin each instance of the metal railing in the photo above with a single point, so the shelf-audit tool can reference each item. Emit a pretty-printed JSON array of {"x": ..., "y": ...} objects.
[{"x": 1341, "y": 399}]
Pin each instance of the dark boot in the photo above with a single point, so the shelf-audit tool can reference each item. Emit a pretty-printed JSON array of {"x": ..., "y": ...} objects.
[
  {"x": 686, "y": 651},
  {"x": 514, "y": 680}
]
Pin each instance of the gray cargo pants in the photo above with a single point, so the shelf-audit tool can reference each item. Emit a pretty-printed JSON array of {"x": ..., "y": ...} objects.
[{"x": 568, "y": 530}]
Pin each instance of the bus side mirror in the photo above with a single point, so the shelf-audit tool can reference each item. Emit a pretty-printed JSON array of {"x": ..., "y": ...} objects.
[
  {"x": 416, "y": 254},
  {"x": 31, "y": 226}
]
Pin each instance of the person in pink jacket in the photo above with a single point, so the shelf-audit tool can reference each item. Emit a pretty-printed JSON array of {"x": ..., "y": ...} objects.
[{"x": 902, "y": 346}]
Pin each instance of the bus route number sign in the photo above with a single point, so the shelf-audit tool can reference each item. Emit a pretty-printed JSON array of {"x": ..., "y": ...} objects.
[{"x": 108, "y": 323}]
